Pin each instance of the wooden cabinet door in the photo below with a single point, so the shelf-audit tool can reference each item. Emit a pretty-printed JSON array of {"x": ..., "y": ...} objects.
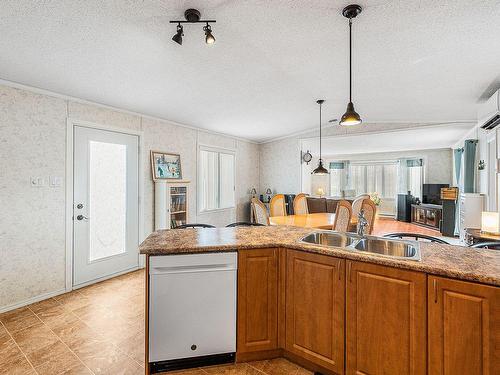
[
  {"x": 385, "y": 320},
  {"x": 315, "y": 309},
  {"x": 464, "y": 327},
  {"x": 257, "y": 300}
]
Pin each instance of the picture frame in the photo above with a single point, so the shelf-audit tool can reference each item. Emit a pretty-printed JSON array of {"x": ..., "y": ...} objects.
[{"x": 165, "y": 166}]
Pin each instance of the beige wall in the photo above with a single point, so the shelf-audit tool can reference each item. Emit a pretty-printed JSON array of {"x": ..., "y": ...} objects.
[{"x": 33, "y": 143}]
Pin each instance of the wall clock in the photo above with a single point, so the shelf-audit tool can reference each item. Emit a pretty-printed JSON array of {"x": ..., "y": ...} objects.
[{"x": 306, "y": 156}]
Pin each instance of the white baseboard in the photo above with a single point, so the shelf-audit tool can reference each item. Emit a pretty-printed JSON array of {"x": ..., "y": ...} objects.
[
  {"x": 31, "y": 300},
  {"x": 106, "y": 277}
]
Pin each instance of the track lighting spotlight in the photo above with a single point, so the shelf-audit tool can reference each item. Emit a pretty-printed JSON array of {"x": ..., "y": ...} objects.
[
  {"x": 193, "y": 16},
  {"x": 177, "y": 38},
  {"x": 209, "y": 38}
]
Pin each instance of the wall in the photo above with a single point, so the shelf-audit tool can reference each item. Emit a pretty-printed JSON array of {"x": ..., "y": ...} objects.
[{"x": 33, "y": 143}]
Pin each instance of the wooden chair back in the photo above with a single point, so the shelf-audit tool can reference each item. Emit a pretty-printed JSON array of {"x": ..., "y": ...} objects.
[
  {"x": 300, "y": 204},
  {"x": 259, "y": 212},
  {"x": 370, "y": 211},
  {"x": 342, "y": 216},
  {"x": 277, "y": 206},
  {"x": 356, "y": 204}
]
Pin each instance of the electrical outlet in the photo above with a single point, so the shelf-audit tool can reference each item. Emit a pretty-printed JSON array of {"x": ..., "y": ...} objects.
[
  {"x": 55, "y": 181},
  {"x": 36, "y": 181}
]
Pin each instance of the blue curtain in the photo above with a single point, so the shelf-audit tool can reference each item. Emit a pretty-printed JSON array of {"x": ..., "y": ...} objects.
[
  {"x": 457, "y": 153},
  {"x": 469, "y": 165}
]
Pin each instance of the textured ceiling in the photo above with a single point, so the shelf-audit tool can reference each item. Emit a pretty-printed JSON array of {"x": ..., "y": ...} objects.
[{"x": 414, "y": 61}]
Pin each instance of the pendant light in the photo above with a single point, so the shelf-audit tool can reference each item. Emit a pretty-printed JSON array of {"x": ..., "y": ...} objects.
[
  {"x": 320, "y": 170},
  {"x": 350, "y": 117}
]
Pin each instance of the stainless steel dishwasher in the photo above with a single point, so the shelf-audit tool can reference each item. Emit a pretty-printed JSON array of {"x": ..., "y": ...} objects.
[{"x": 192, "y": 310}]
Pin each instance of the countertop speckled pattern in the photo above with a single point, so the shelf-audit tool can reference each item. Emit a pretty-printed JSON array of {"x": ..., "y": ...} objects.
[{"x": 446, "y": 260}]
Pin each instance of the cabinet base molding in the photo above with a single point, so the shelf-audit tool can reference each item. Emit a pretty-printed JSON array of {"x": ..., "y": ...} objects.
[
  {"x": 308, "y": 365},
  {"x": 259, "y": 356}
]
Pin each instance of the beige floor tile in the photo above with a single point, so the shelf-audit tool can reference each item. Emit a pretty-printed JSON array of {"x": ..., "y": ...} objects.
[
  {"x": 18, "y": 319},
  {"x": 44, "y": 305},
  {"x": 46, "y": 353},
  {"x": 237, "y": 369},
  {"x": 16, "y": 366},
  {"x": 4, "y": 335},
  {"x": 100, "y": 357},
  {"x": 61, "y": 359},
  {"x": 73, "y": 300},
  {"x": 79, "y": 369},
  {"x": 77, "y": 334},
  {"x": 128, "y": 367},
  {"x": 134, "y": 347},
  {"x": 278, "y": 366},
  {"x": 9, "y": 351},
  {"x": 57, "y": 316},
  {"x": 34, "y": 338}
]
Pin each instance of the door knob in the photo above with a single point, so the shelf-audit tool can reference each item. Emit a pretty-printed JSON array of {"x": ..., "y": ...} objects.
[{"x": 81, "y": 217}]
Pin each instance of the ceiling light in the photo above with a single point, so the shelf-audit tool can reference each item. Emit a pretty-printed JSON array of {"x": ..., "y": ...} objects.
[
  {"x": 209, "y": 38},
  {"x": 177, "y": 38},
  {"x": 193, "y": 16},
  {"x": 350, "y": 117},
  {"x": 320, "y": 170}
]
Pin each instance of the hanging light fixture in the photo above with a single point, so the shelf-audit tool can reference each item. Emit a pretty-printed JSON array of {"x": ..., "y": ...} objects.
[
  {"x": 177, "y": 38},
  {"x": 320, "y": 170},
  {"x": 209, "y": 38},
  {"x": 193, "y": 16},
  {"x": 350, "y": 117}
]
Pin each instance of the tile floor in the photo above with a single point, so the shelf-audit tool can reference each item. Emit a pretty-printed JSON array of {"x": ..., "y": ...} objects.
[{"x": 95, "y": 330}]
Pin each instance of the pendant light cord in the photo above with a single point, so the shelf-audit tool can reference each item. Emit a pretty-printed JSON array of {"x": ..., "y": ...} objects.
[
  {"x": 350, "y": 60},
  {"x": 320, "y": 105}
]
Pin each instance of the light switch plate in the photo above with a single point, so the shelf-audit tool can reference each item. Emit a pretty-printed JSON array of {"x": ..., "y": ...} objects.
[{"x": 55, "y": 181}]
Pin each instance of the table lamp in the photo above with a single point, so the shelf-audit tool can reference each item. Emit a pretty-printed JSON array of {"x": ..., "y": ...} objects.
[{"x": 490, "y": 222}]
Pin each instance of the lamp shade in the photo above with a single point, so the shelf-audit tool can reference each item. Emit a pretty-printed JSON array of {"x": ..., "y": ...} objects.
[
  {"x": 490, "y": 222},
  {"x": 350, "y": 117},
  {"x": 320, "y": 169}
]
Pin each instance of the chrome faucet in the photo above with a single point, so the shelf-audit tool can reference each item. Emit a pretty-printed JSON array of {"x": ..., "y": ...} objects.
[{"x": 362, "y": 223}]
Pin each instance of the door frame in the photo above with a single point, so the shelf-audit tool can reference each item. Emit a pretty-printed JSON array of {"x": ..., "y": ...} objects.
[{"x": 70, "y": 126}]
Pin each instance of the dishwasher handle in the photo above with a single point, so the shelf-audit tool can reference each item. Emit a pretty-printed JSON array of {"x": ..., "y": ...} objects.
[{"x": 192, "y": 269}]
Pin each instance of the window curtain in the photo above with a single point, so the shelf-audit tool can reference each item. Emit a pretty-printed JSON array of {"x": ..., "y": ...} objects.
[
  {"x": 403, "y": 176},
  {"x": 469, "y": 164},
  {"x": 457, "y": 155}
]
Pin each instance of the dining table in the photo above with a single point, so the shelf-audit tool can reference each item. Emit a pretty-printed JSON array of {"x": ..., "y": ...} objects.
[{"x": 322, "y": 220}]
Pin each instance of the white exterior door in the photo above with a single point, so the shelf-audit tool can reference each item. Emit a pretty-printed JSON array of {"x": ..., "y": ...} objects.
[{"x": 106, "y": 204}]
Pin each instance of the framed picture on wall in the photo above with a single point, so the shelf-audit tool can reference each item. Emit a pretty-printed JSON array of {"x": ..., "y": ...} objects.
[{"x": 166, "y": 166}]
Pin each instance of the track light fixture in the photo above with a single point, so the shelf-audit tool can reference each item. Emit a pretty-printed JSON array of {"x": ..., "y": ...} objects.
[
  {"x": 193, "y": 16},
  {"x": 209, "y": 38},
  {"x": 177, "y": 38}
]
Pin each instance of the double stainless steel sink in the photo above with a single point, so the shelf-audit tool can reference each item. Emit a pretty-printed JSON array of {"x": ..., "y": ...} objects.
[{"x": 396, "y": 249}]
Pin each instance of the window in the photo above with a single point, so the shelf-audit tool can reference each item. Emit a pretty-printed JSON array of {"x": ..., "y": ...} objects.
[{"x": 215, "y": 179}]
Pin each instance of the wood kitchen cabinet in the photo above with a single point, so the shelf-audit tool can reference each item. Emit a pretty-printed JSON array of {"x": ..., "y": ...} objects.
[
  {"x": 315, "y": 309},
  {"x": 257, "y": 300},
  {"x": 385, "y": 320},
  {"x": 464, "y": 327}
]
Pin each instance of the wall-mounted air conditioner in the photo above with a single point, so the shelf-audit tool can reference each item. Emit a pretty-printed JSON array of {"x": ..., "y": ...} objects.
[{"x": 488, "y": 114}]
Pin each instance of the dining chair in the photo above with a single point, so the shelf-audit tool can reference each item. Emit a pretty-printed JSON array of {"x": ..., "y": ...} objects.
[
  {"x": 300, "y": 204},
  {"x": 370, "y": 211},
  {"x": 185, "y": 226},
  {"x": 415, "y": 236},
  {"x": 492, "y": 245},
  {"x": 342, "y": 216},
  {"x": 243, "y": 224},
  {"x": 259, "y": 212},
  {"x": 277, "y": 205},
  {"x": 356, "y": 205}
]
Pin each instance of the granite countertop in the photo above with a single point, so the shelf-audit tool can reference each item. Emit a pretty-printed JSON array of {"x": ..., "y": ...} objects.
[{"x": 458, "y": 262}]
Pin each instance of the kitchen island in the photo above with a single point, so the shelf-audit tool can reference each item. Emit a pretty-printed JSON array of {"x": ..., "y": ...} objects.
[{"x": 336, "y": 311}]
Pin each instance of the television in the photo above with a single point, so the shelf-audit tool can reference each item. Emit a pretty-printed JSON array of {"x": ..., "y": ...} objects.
[{"x": 431, "y": 193}]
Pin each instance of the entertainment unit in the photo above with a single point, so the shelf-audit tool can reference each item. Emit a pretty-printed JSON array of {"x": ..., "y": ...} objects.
[{"x": 427, "y": 215}]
